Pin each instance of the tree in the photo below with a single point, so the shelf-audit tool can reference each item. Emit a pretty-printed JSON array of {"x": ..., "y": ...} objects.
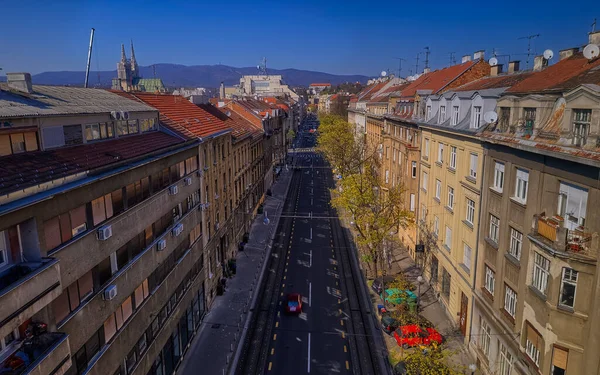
[
  {"x": 431, "y": 361},
  {"x": 291, "y": 134}
]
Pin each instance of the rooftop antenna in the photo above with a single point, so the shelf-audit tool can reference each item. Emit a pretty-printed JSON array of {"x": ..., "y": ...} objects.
[
  {"x": 400, "y": 59},
  {"x": 417, "y": 64},
  {"x": 262, "y": 67},
  {"x": 452, "y": 58},
  {"x": 427, "y": 57},
  {"x": 89, "y": 59},
  {"x": 529, "y": 38},
  {"x": 594, "y": 26}
]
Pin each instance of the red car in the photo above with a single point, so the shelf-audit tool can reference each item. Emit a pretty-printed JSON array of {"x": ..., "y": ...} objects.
[
  {"x": 414, "y": 335},
  {"x": 294, "y": 303}
]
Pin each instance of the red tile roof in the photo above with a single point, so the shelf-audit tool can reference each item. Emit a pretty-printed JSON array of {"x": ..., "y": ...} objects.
[
  {"x": 20, "y": 171},
  {"x": 374, "y": 89},
  {"x": 182, "y": 116},
  {"x": 438, "y": 79},
  {"x": 506, "y": 80},
  {"x": 241, "y": 126},
  {"x": 560, "y": 76}
]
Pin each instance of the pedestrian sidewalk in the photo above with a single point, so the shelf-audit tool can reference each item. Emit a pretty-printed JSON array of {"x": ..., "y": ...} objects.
[{"x": 213, "y": 348}]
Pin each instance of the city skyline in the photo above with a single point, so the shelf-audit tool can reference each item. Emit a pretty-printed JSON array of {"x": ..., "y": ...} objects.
[{"x": 349, "y": 39}]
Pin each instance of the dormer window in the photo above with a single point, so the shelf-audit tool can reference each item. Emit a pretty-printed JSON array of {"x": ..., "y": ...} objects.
[
  {"x": 476, "y": 117},
  {"x": 442, "y": 114},
  {"x": 581, "y": 126},
  {"x": 455, "y": 115},
  {"x": 102, "y": 130},
  {"x": 428, "y": 112},
  {"x": 529, "y": 120},
  {"x": 17, "y": 143}
]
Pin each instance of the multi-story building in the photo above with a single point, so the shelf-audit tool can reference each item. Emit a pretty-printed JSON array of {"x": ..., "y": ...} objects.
[
  {"x": 536, "y": 293},
  {"x": 100, "y": 235},
  {"x": 265, "y": 85}
]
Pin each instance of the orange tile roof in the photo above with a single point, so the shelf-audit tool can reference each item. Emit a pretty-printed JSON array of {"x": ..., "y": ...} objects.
[
  {"x": 374, "y": 89},
  {"x": 20, "y": 171},
  {"x": 560, "y": 76},
  {"x": 242, "y": 126},
  {"x": 506, "y": 80},
  {"x": 182, "y": 116},
  {"x": 438, "y": 79}
]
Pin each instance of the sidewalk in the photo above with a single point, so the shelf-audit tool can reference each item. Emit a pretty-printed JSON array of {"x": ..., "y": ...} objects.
[{"x": 212, "y": 349}]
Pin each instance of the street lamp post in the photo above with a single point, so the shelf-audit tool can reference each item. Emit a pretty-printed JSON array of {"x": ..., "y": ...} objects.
[
  {"x": 472, "y": 367},
  {"x": 419, "y": 280}
]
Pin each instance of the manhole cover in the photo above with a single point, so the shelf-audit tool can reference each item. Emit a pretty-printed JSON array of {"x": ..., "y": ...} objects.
[{"x": 216, "y": 326}]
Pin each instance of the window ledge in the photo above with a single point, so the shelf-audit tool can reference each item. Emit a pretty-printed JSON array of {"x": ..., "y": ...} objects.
[
  {"x": 437, "y": 199},
  {"x": 452, "y": 170},
  {"x": 537, "y": 293},
  {"x": 471, "y": 179},
  {"x": 487, "y": 293},
  {"x": 468, "y": 224},
  {"x": 449, "y": 209},
  {"x": 506, "y": 314},
  {"x": 519, "y": 202},
  {"x": 491, "y": 242},
  {"x": 424, "y": 190},
  {"x": 513, "y": 260},
  {"x": 439, "y": 164},
  {"x": 565, "y": 308},
  {"x": 494, "y": 189},
  {"x": 446, "y": 247},
  {"x": 465, "y": 268}
]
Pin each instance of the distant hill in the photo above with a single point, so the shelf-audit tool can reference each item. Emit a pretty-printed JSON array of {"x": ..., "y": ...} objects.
[{"x": 174, "y": 75}]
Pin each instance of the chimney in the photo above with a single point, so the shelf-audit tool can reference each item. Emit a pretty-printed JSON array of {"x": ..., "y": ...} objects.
[
  {"x": 595, "y": 38},
  {"x": 20, "y": 82},
  {"x": 479, "y": 55},
  {"x": 426, "y": 70},
  {"x": 497, "y": 69},
  {"x": 222, "y": 91},
  {"x": 539, "y": 63},
  {"x": 466, "y": 58},
  {"x": 513, "y": 66},
  {"x": 566, "y": 53}
]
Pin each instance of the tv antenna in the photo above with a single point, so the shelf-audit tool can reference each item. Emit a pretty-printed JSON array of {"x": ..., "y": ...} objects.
[
  {"x": 400, "y": 59},
  {"x": 594, "y": 26},
  {"x": 452, "y": 58},
  {"x": 417, "y": 64},
  {"x": 427, "y": 57},
  {"x": 262, "y": 67},
  {"x": 529, "y": 38}
]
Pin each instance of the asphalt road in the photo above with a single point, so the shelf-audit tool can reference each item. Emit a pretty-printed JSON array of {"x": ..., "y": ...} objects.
[{"x": 315, "y": 342}]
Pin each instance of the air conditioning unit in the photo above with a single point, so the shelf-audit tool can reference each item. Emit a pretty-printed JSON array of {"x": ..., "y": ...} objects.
[
  {"x": 200, "y": 173},
  {"x": 216, "y": 196},
  {"x": 173, "y": 190},
  {"x": 161, "y": 245},
  {"x": 110, "y": 292},
  {"x": 116, "y": 115},
  {"x": 124, "y": 115},
  {"x": 206, "y": 167},
  {"x": 187, "y": 181},
  {"x": 105, "y": 232},
  {"x": 177, "y": 230}
]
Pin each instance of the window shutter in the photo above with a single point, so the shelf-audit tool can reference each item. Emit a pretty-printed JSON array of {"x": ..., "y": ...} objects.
[
  {"x": 559, "y": 358},
  {"x": 53, "y": 137},
  {"x": 534, "y": 337}
]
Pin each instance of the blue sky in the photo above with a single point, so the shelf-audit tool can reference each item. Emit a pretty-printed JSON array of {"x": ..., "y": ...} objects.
[{"x": 342, "y": 37}]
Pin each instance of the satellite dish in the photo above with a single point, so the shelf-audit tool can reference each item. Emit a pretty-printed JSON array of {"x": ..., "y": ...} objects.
[
  {"x": 548, "y": 54},
  {"x": 410, "y": 78},
  {"x": 490, "y": 117},
  {"x": 493, "y": 61},
  {"x": 383, "y": 73},
  {"x": 591, "y": 51}
]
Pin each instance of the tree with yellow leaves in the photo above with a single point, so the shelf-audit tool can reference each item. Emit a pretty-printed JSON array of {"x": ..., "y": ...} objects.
[{"x": 430, "y": 361}]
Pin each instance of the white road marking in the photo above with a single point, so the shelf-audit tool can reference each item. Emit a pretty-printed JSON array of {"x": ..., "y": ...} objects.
[
  {"x": 309, "y": 293},
  {"x": 310, "y": 259},
  {"x": 311, "y": 233},
  {"x": 309, "y": 352}
]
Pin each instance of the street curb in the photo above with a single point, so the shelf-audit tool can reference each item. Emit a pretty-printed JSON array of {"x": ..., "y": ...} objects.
[{"x": 269, "y": 246}]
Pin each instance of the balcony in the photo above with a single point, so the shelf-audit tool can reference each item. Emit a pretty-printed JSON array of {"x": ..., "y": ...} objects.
[
  {"x": 550, "y": 234},
  {"x": 47, "y": 353},
  {"x": 26, "y": 288}
]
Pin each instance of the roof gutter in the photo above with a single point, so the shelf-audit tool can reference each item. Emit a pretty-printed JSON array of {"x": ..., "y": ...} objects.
[{"x": 217, "y": 134}]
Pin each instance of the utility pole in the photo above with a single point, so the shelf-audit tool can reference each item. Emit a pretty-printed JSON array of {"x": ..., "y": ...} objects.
[
  {"x": 89, "y": 59},
  {"x": 426, "y": 57},
  {"x": 452, "y": 58},
  {"x": 529, "y": 38},
  {"x": 400, "y": 59}
]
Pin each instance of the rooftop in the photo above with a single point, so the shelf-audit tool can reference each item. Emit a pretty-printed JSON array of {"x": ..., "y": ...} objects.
[
  {"x": 500, "y": 81},
  {"x": 437, "y": 80}
]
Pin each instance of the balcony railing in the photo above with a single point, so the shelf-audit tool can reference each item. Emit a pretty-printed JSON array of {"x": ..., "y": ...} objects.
[
  {"x": 551, "y": 234},
  {"x": 47, "y": 353},
  {"x": 24, "y": 284}
]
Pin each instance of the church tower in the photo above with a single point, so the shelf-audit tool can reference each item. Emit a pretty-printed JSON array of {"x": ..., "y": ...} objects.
[
  {"x": 123, "y": 67},
  {"x": 135, "y": 70}
]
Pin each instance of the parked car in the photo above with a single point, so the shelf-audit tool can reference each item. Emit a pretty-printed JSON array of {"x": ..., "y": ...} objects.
[
  {"x": 380, "y": 283},
  {"x": 389, "y": 323},
  {"x": 294, "y": 303},
  {"x": 413, "y": 335}
]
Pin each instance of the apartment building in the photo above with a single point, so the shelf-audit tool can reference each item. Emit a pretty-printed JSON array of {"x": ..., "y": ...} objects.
[
  {"x": 100, "y": 235},
  {"x": 536, "y": 293}
]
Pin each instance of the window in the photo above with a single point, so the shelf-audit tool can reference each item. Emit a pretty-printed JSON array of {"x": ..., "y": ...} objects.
[
  {"x": 572, "y": 205},
  {"x": 473, "y": 166},
  {"x": 414, "y": 169},
  {"x": 394, "y": 152},
  {"x": 446, "y": 281},
  {"x": 510, "y": 301},
  {"x": 521, "y": 185},
  {"x": 476, "y": 117},
  {"x": 533, "y": 344},
  {"x": 453, "y": 157},
  {"x": 438, "y": 189},
  {"x": 559, "y": 361},
  {"x": 440, "y": 152},
  {"x": 442, "y": 114},
  {"x": 387, "y": 152},
  {"x": 18, "y": 142},
  {"x": 505, "y": 361},
  {"x": 102, "y": 209},
  {"x": 504, "y": 118},
  {"x": 412, "y": 202},
  {"x": 470, "y": 210},
  {"x": 425, "y": 180},
  {"x": 581, "y": 126},
  {"x": 490, "y": 279},
  {"x": 485, "y": 338},
  {"x": 494, "y": 228},
  {"x": 387, "y": 176},
  {"x": 147, "y": 125},
  {"x": 455, "y": 115},
  {"x": 567, "y": 287},
  {"x": 436, "y": 226},
  {"x": 4, "y": 251},
  {"x": 529, "y": 121},
  {"x": 467, "y": 256},
  {"x": 541, "y": 271},
  {"x": 448, "y": 239},
  {"x": 426, "y": 147},
  {"x": 62, "y": 228},
  {"x": 133, "y": 126},
  {"x": 498, "y": 176},
  {"x": 428, "y": 112},
  {"x": 450, "y": 197},
  {"x": 516, "y": 243},
  {"x": 122, "y": 128},
  {"x": 102, "y": 130},
  {"x": 73, "y": 296}
]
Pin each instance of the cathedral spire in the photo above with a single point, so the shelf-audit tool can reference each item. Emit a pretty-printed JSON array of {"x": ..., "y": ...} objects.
[
  {"x": 132, "y": 54},
  {"x": 134, "y": 66},
  {"x": 123, "y": 57}
]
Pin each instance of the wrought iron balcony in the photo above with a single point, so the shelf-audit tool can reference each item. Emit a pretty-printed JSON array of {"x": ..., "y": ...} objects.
[{"x": 551, "y": 234}]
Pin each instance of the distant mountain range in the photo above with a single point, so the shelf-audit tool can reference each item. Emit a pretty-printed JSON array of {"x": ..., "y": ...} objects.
[{"x": 175, "y": 76}]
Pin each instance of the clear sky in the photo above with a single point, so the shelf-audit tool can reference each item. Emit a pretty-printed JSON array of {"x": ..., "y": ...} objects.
[{"x": 342, "y": 37}]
